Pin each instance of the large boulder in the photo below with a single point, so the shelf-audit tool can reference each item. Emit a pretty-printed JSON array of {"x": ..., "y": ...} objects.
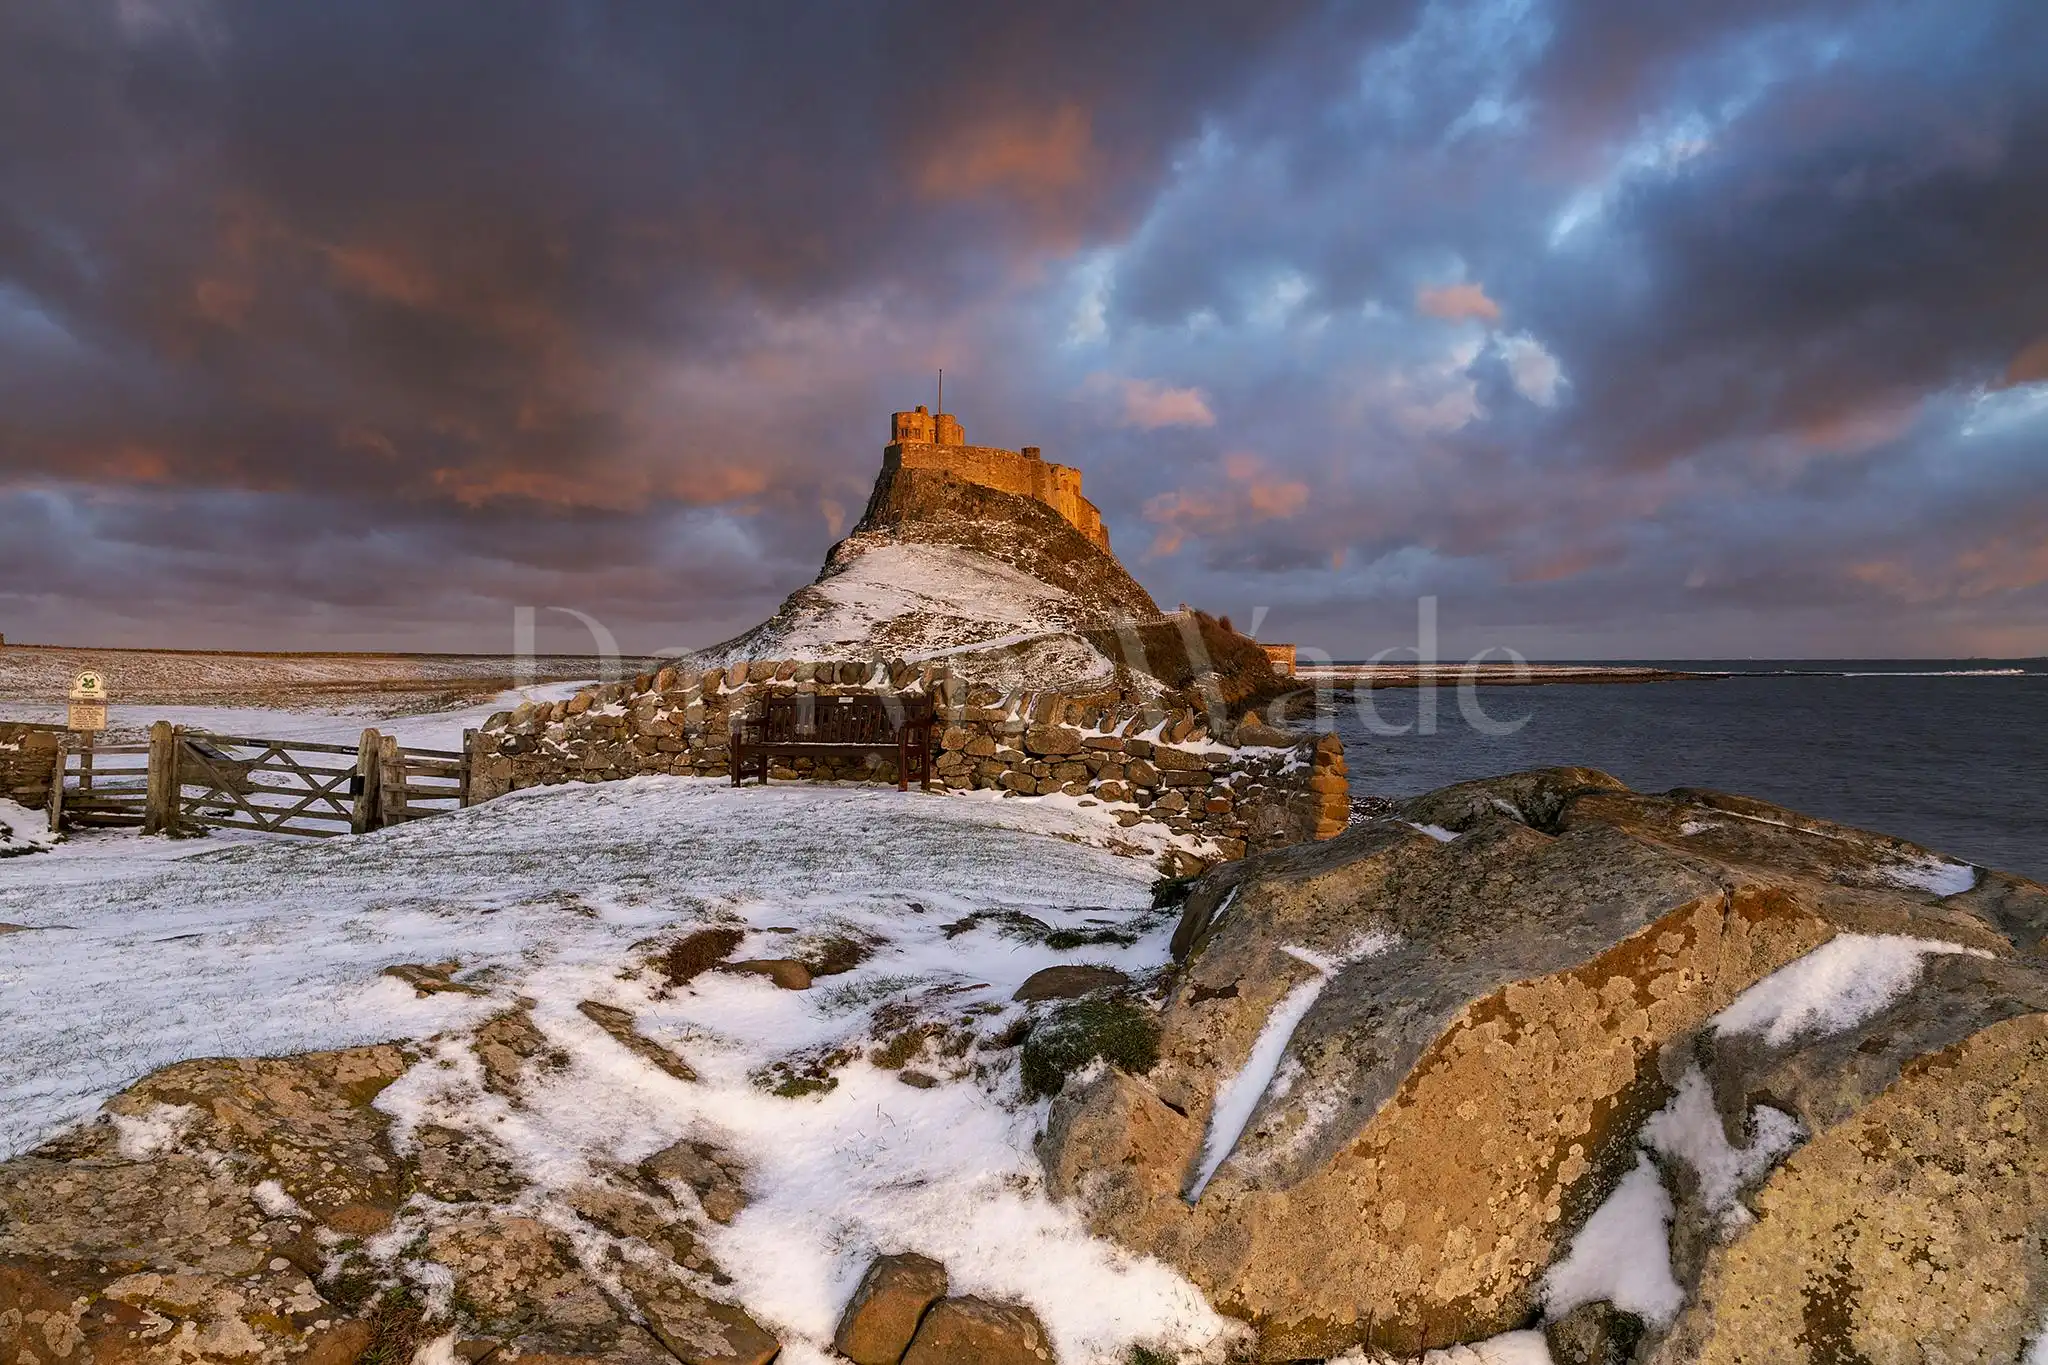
[{"x": 1400, "y": 1070}]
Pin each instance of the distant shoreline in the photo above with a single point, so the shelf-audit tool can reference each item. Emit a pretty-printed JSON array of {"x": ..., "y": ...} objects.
[{"x": 1374, "y": 676}]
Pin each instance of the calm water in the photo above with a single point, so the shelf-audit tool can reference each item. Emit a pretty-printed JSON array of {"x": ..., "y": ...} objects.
[{"x": 1946, "y": 755}]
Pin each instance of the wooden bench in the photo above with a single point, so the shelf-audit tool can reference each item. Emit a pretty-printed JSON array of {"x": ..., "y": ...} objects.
[{"x": 808, "y": 726}]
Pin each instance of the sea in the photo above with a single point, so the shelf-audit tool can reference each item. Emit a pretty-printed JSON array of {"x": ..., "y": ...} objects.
[{"x": 1951, "y": 754}]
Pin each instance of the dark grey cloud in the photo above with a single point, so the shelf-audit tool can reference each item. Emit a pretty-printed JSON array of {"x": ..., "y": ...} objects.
[{"x": 389, "y": 316}]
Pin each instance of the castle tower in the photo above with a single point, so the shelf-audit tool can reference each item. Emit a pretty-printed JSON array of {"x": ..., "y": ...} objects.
[
  {"x": 919, "y": 439},
  {"x": 912, "y": 426}
]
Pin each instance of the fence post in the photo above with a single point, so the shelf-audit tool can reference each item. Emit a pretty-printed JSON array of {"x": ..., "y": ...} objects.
[
  {"x": 390, "y": 782},
  {"x": 55, "y": 805},
  {"x": 160, "y": 813},
  {"x": 363, "y": 816},
  {"x": 468, "y": 766}
]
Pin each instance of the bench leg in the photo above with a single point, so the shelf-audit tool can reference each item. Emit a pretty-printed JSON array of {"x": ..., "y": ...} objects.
[{"x": 902, "y": 764}]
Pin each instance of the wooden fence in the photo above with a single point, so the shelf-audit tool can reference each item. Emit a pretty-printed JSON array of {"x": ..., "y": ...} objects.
[{"x": 193, "y": 779}]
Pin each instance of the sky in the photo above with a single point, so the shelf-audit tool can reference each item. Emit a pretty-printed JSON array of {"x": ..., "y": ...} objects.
[{"x": 1643, "y": 328}]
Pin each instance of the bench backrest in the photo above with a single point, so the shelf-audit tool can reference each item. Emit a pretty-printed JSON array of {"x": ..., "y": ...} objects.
[{"x": 811, "y": 719}]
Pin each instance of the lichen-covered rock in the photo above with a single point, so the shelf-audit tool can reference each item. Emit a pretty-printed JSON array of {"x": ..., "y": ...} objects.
[
  {"x": 305, "y": 1122},
  {"x": 714, "y": 1175},
  {"x": 1068, "y": 981},
  {"x": 1471, "y": 1033},
  {"x": 1914, "y": 1230},
  {"x": 885, "y": 1310},
  {"x": 182, "y": 1227}
]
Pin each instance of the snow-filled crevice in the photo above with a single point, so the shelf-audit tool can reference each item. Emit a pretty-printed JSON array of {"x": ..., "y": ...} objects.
[
  {"x": 1847, "y": 980},
  {"x": 1240, "y": 1095}
]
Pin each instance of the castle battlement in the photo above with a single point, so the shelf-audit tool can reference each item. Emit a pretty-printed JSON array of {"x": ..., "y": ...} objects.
[{"x": 921, "y": 439}]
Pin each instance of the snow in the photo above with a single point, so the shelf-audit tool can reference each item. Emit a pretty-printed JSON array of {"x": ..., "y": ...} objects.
[
  {"x": 1842, "y": 983},
  {"x": 1509, "y": 1348},
  {"x": 2037, "y": 1351},
  {"x": 888, "y": 582},
  {"x": 1932, "y": 873},
  {"x": 23, "y": 830},
  {"x": 1436, "y": 832},
  {"x": 1689, "y": 1129},
  {"x": 1240, "y": 1095},
  {"x": 1622, "y": 1254},
  {"x": 148, "y": 951}
]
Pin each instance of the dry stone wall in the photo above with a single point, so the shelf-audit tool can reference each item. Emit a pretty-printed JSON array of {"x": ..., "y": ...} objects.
[
  {"x": 1236, "y": 785},
  {"x": 28, "y": 757}
]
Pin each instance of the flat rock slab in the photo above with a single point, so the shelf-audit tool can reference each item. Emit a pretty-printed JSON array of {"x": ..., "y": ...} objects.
[
  {"x": 432, "y": 979},
  {"x": 619, "y": 1024},
  {"x": 785, "y": 972},
  {"x": 716, "y": 1176},
  {"x": 974, "y": 1331},
  {"x": 1068, "y": 982},
  {"x": 884, "y": 1312}
]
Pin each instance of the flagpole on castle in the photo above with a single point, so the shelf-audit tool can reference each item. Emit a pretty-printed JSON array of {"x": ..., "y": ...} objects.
[{"x": 942, "y": 390}]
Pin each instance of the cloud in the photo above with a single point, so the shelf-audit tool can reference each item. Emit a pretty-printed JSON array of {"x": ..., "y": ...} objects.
[
  {"x": 635, "y": 366},
  {"x": 1149, "y": 404},
  {"x": 1535, "y": 371},
  {"x": 1457, "y": 303},
  {"x": 1251, "y": 491}
]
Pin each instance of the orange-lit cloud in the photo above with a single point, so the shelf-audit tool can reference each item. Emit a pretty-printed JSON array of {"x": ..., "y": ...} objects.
[
  {"x": 1252, "y": 492},
  {"x": 1851, "y": 431},
  {"x": 1037, "y": 155},
  {"x": 382, "y": 274},
  {"x": 2030, "y": 366},
  {"x": 1149, "y": 404},
  {"x": 622, "y": 490},
  {"x": 1457, "y": 303}
]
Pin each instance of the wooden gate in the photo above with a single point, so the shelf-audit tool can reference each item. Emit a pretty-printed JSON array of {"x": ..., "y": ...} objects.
[
  {"x": 185, "y": 779},
  {"x": 102, "y": 784},
  {"x": 283, "y": 786},
  {"x": 288, "y": 786}
]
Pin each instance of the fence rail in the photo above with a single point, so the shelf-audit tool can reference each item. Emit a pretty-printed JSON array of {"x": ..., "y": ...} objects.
[{"x": 190, "y": 778}]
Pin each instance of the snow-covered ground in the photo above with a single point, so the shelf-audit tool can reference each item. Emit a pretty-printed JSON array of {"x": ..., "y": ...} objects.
[
  {"x": 139, "y": 952},
  {"x": 434, "y": 730}
]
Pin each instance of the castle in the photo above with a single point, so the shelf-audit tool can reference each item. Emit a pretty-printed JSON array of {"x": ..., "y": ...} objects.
[{"x": 922, "y": 440}]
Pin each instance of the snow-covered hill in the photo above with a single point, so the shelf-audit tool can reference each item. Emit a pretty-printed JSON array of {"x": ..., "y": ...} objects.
[{"x": 940, "y": 566}]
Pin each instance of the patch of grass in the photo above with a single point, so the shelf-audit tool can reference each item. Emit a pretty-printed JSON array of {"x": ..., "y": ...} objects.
[
  {"x": 694, "y": 954},
  {"x": 1065, "y": 939},
  {"x": 1146, "y": 1355},
  {"x": 858, "y": 995},
  {"x": 1119, "y": 1031},
  {"x": 398, "y": 1327},
  {"x": 1171, "y": 891},
  {"x": 837, "y": 954}
]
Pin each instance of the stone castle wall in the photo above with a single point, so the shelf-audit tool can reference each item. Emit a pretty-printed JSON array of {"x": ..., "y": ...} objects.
[{"x": 1238, "y": 789}]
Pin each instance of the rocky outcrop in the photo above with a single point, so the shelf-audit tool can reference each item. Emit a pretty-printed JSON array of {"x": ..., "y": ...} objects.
[
  {"x": 1400, "y": 1071},
  {"x": 261, "y": 1212}
]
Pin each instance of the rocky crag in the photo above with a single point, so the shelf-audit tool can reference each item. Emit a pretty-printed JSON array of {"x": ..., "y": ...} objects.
[
  {"x": 1681, "y": 1078},
  {"x": 989, "y": 557}
]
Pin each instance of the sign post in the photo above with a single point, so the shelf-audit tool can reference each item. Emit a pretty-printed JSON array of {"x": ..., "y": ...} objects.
[{"x": 88, "y": 703}]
